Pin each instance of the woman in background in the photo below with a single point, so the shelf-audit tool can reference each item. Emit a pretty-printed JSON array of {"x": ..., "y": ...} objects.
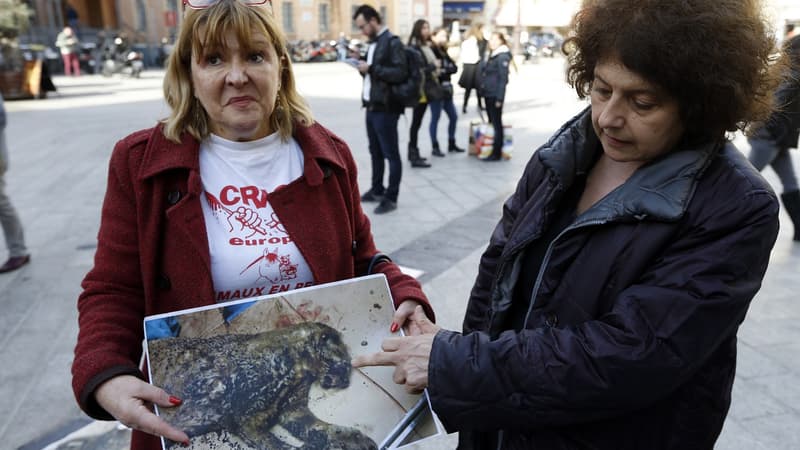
[
  {"x": 494, "y": 78},
  {"x": 447, "y": 68},
  {"x": 473, "y": 50},
  {"x": 420, "y": 39}
]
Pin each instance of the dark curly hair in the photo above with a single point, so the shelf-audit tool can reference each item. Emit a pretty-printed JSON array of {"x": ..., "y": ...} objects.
[{"x": 714, "y": 56}]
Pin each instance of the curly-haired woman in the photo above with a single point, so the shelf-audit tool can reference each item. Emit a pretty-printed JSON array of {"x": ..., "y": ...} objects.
[{"x": 606, "y": 307}]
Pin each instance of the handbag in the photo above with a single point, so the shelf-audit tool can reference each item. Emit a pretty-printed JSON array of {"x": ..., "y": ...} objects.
[{"x": 433, "y": 89}]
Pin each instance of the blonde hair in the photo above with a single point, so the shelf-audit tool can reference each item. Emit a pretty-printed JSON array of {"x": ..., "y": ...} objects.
[{"x": 209, "y": 28}]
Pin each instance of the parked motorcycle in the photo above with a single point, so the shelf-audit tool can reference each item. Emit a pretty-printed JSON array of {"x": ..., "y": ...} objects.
[{"x": 118, "y": 59}]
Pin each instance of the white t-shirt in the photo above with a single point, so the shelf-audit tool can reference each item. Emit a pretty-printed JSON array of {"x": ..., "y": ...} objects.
[{"x": 251, "y": 252}]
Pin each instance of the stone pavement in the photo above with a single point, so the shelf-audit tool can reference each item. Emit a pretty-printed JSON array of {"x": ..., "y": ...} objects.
[{"x": 60, "y": 148}]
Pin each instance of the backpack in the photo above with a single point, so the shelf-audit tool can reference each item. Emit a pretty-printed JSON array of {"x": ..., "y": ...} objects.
[{"x": 408, "y": 92}]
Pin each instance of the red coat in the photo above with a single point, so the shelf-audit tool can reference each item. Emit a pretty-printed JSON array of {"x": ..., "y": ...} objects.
[{"x": 152, "y": 255}]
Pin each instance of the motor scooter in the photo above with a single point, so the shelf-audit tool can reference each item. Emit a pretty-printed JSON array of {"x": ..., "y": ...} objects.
[{"x": 118, "y": 60}]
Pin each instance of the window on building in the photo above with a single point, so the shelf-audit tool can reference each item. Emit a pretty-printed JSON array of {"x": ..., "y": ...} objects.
[
  {"x": 324, "y": 19},
  {"x": 287, "y": 16}
]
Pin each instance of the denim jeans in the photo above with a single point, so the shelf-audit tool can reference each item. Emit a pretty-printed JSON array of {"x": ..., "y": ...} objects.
[
  {"x": 436, "y": 112},
  {"x": 764, "y": 151},
  {"x": 12, "y": 227},
  {"x": 383, "y": 144}
]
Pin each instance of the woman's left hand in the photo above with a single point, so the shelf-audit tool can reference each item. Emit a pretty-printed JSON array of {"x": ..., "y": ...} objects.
[{"x": 410, "y": 355}]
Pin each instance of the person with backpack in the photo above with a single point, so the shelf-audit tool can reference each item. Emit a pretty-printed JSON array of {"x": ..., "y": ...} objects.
[
  {"x": 494, "y": 77},
  {"x": 447, "y": 67},
  {"x": 385, "y": 65},
  {"x": 420, "y": 39}
]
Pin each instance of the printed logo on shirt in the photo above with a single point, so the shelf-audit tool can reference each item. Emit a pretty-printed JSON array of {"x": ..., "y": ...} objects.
[{"x": 273, "y": 269}]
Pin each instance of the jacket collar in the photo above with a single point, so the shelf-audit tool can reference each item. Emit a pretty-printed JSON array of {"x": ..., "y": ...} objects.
[
  {"x": 319, "y": 153},
  {"x": 661, "y": 189}
]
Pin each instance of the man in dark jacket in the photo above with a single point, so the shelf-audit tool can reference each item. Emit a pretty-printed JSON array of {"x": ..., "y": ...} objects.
[{"x": 385, "y": 64}]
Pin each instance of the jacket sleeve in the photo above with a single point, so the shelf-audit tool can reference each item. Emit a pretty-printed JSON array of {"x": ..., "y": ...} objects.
[
  {"x": 396, "y": 70},
  {"x": 403, "y": 287},
  {"x": 658, "y": 333},
  {"x": 502, "y": 76},
  {"x": 111, "y": 306}
]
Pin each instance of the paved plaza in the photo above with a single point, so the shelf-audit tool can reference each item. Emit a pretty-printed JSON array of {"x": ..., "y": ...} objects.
[{"x": 59, "y": 153}]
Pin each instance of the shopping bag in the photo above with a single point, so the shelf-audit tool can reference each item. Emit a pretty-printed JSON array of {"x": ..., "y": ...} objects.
[
  {"x": 475, "y": 131},
  {"x": 485, "y": 140}
]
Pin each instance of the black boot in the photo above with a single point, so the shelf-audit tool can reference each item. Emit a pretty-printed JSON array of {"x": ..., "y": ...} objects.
[
  {"x": 791, "y": 201},
  {"x": 436, "y": 151},
  {"x": 452, "y": 148},
  {"x": 414, "y": 158}
]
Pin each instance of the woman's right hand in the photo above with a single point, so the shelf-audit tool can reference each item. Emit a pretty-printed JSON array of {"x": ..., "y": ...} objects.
[{"x": 125, "y": 397}]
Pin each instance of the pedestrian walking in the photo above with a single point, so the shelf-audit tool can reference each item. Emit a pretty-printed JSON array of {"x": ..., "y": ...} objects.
[
  {"x": 771, "y": 143},
  {"x": 494, "y": 78},
  {"x": 473, "y": 52},
  {"x": 18, "y": 254},
  {"x": 190, "y": 202},
  {"x": 420, "y": 39},
  {"x": 606, "y": 306},
  {"x": 447, "y": 67},
  {"x": 385, "y": 63},
  {"x": 69, "y": 45}
]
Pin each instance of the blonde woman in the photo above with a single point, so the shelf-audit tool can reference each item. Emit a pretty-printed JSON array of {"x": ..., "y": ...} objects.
[{"x": 239, "y": 167}]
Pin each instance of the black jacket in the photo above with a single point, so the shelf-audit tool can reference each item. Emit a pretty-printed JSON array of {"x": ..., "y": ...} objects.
[
  {"x": 630, "y": 341},
  {"x": 494, "y": 76},
  {"x": 783, "y": 127},
  {"x": 388, "y": 66}
]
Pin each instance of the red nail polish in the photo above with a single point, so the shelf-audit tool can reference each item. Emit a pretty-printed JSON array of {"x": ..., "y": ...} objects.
[
  {"x": 175, "y": 400},
  {"x": 185, "y": 443},
  {"x": 394, "y": 327}
]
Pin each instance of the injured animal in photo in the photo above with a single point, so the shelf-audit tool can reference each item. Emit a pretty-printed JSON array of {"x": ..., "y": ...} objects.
[{"x": 253, "y": 389}]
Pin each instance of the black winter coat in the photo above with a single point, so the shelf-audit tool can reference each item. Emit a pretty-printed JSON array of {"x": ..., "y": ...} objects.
[
  {"x": 630, "y": 341},
  {"x": 388, "y": 66},
  {"x": 494, "y": 76}
]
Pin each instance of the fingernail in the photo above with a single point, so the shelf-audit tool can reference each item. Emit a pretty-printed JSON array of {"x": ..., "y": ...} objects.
[
  {"x": 394, "y": 327},
  {"x": 185, "y": 443},
  {"x": 175, "y": 400}
]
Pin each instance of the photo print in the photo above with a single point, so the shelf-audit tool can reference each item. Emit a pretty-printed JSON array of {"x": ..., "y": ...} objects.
[{"x": 274, "y": 372}]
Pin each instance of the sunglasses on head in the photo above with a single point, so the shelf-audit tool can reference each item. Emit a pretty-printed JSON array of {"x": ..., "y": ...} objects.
[{"x": 203, "y": 4}]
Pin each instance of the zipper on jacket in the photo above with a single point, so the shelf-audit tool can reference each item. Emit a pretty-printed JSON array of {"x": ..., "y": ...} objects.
[{"x": 546, "y": 260}]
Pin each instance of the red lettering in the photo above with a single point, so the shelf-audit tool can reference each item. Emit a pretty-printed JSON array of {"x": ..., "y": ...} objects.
[
  {"x": 302, "y": 285},
  {"x": 236, "y": 241},
  {"x": 274, "y": 289},
  {"x": 286, "y": 240},
  {"x": 223, "y": 296},
  {"x": 285, "y": 287},
  {"x": 259, "y": 291},
  {"x": 252, "y": 195},
  {"x": 236, "y": 295},
  {"x": 274, "y": 240},
  {"x": 228, "y": 197}
]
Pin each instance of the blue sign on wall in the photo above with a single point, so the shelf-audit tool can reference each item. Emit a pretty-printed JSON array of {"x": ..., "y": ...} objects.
[{"x": 463, "y": 7}]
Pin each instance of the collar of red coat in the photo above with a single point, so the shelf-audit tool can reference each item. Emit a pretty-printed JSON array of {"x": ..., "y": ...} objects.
[{"x": 317, "y": 143}]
